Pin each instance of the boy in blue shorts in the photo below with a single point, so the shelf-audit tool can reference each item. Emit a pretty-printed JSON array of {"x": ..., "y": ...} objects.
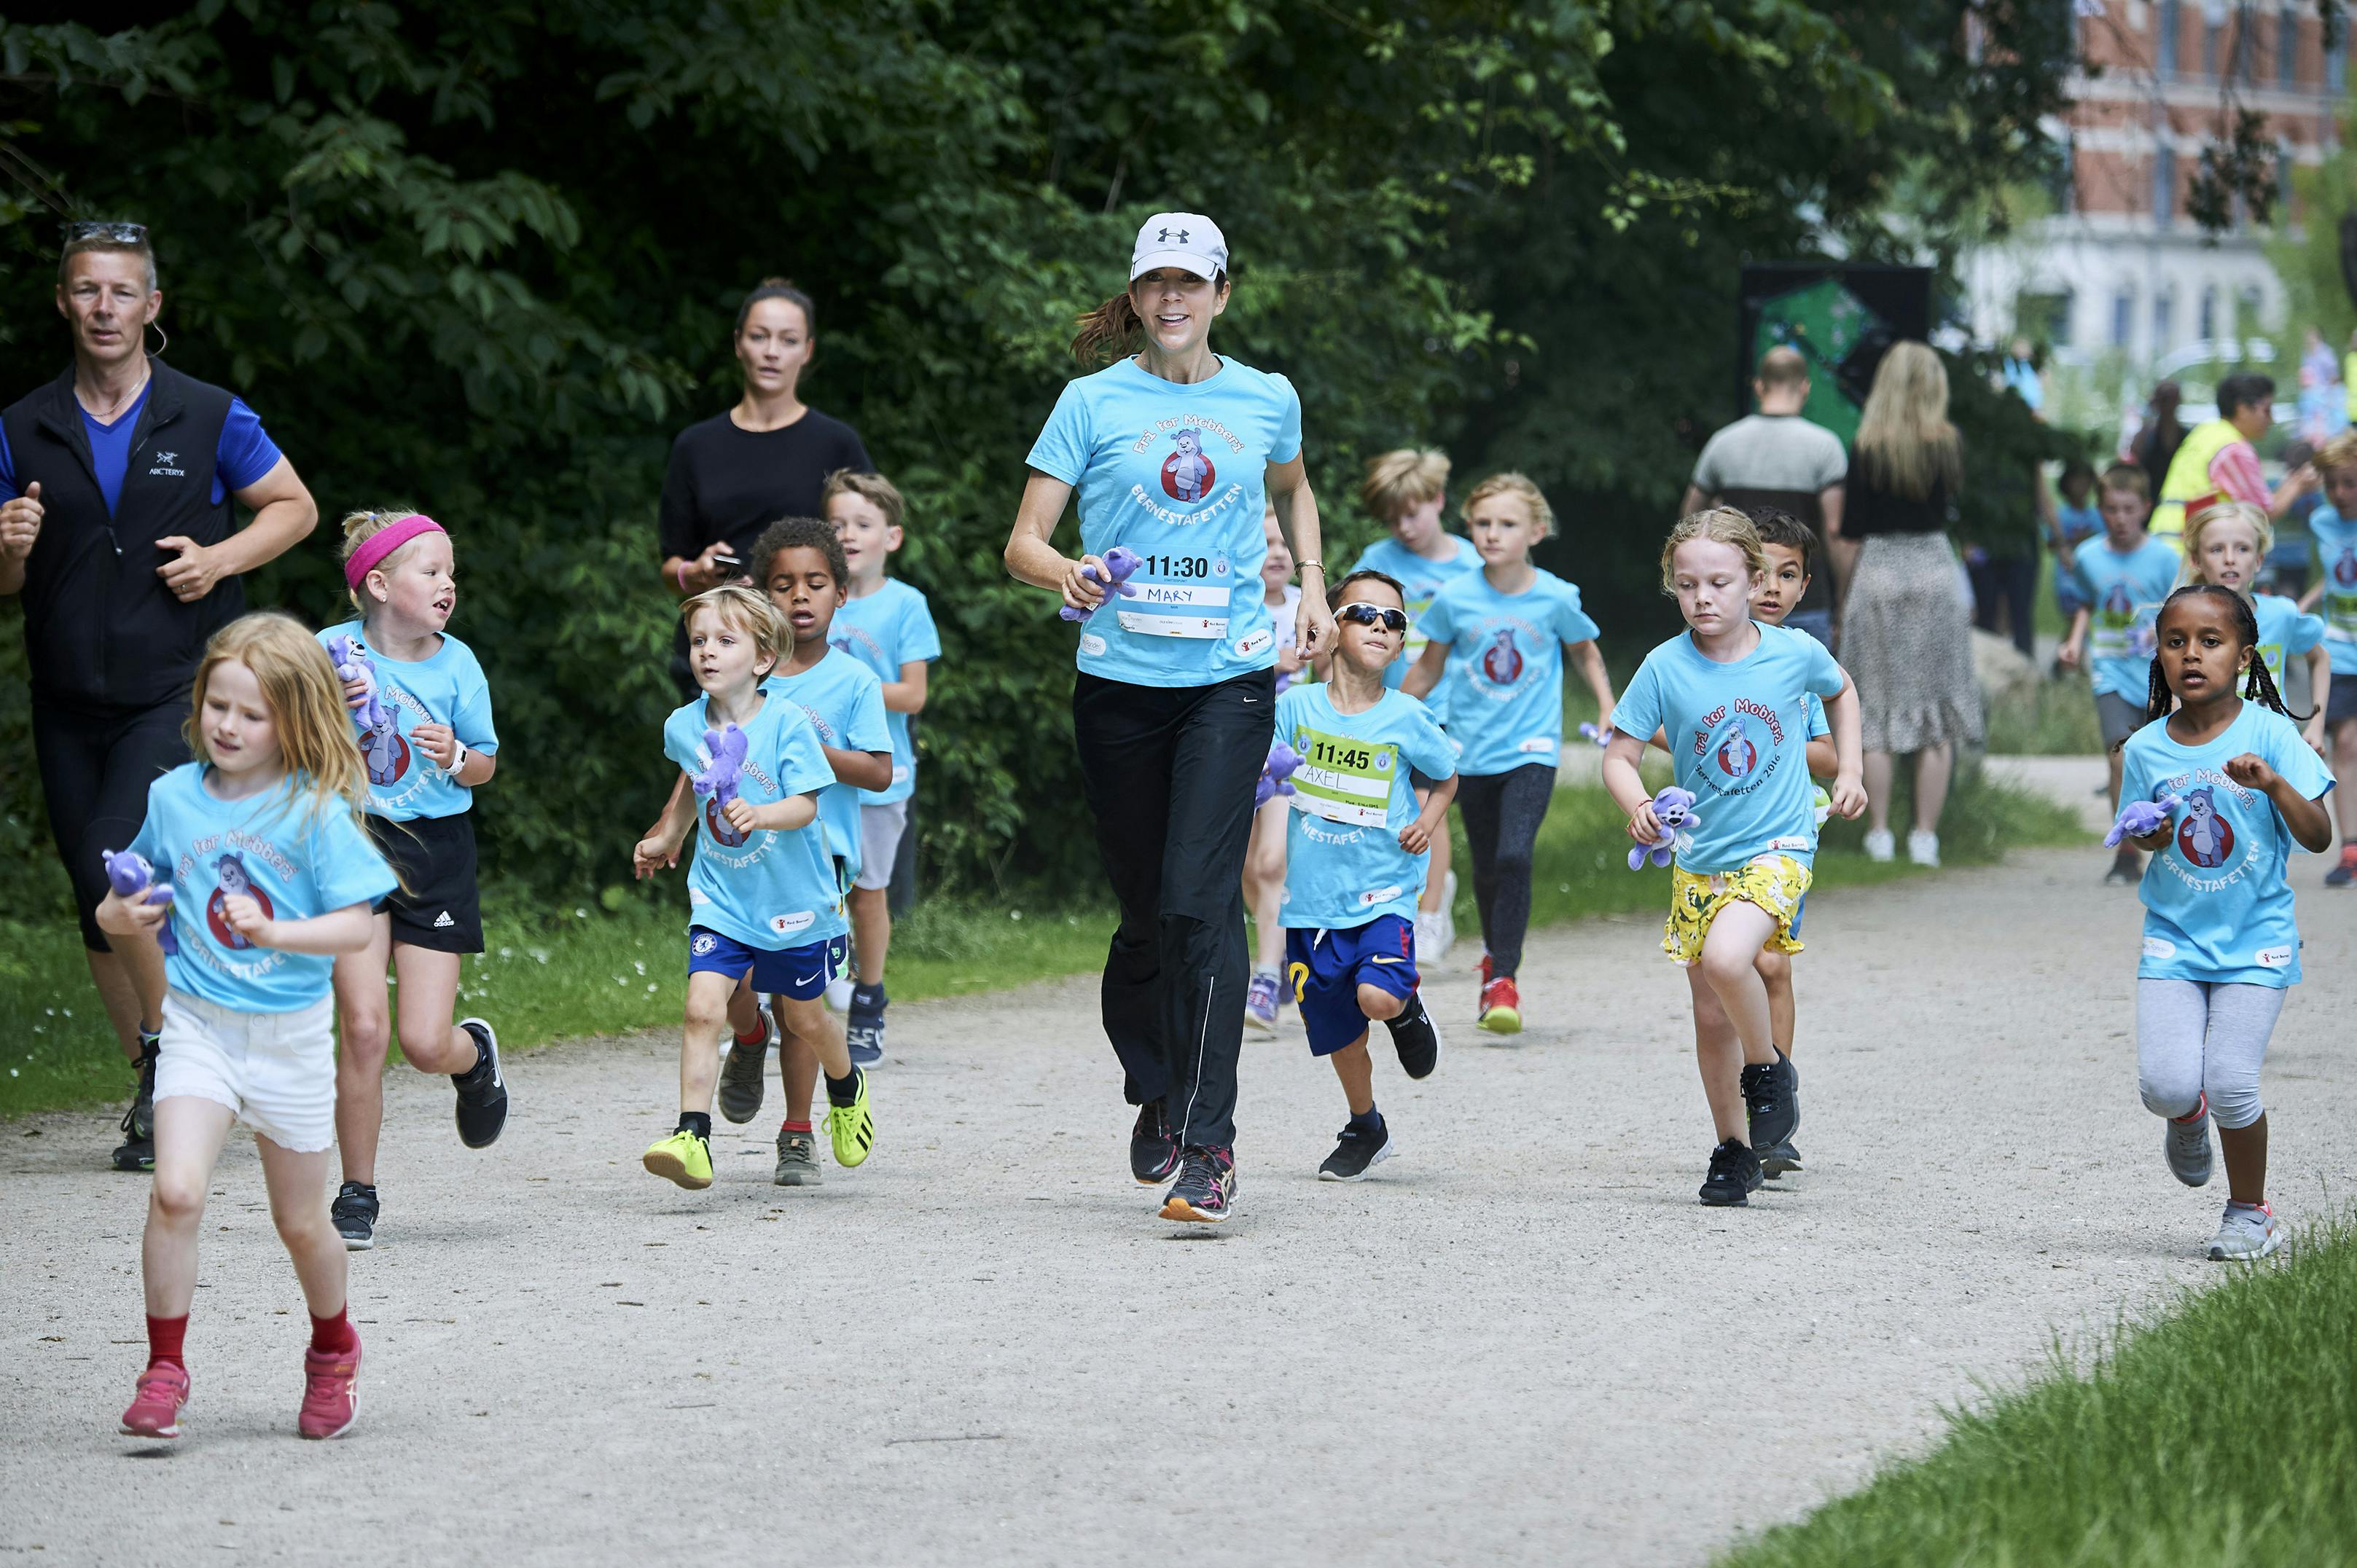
[
  {"x": 799, "y": 562},
  {"x": 2121, "y": 580},
  {"x": 763, "y": 895},
  {"x": 1355, "y": 858},
  {"x": 887, "y": 625}
]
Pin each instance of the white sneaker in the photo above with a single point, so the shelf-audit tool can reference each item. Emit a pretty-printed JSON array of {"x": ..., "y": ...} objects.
[
  {"x": 1447, "y": 917},
  {"x": 2245, "y": 1235},
  {"x": 1429, "y": 944},
  {"x": 1922, "y": 848},
  {"x": 1879, "y": 844}
]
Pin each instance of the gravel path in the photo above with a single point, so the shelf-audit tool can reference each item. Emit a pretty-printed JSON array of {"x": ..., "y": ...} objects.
[{"x": 1523, "y": 1341}]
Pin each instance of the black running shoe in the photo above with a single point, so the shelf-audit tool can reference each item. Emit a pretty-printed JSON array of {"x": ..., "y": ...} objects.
[
  {"x": 742, "y": 1080},
  {"x": 1771, "y": 1099},
  {"x": 1153, "y": 1151},
  {"x": 1205, "y": 1192},
  {"x": 137, "y": 1152},
  {"x": 1780, "y": 1160},
  {"x": 1734, "y": 1177},
  {"x": 863, "y": 1036},
  {"x": 354, "y": 1214},
  {"x": 482, "y": 1094},
  {"x": 1356, "y": 1153},
  {"x": 1416, "y": 1038}
]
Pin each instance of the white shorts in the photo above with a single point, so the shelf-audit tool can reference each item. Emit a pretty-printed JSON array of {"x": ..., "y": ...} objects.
[
  {"x": 880, "y": 828},
  {"x": 276, "y": 1071}
]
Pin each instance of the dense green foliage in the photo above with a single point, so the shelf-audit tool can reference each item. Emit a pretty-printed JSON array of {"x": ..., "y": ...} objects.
[
  {"x": 2223, "y": 1432},
  {"x": 481, "y": 260}
]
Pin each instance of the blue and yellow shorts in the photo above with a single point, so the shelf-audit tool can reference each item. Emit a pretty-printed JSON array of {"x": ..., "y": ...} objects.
[{"x": 1776, "y": 883}]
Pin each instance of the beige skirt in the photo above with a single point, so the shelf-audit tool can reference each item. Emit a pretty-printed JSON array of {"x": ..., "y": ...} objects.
[{"x": 1906, "y": 640}]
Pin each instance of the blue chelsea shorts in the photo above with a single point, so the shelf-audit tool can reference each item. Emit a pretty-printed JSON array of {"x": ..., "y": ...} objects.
[
  {"x": 1327, "y": 968},
  {"x": 800, "y": 972}
]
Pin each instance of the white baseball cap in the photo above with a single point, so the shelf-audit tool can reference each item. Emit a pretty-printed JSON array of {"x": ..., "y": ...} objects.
[{"x": 1186, "y": 240}]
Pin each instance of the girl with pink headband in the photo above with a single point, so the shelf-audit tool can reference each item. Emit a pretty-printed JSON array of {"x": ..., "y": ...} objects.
[{"x": 422, "y": 716}]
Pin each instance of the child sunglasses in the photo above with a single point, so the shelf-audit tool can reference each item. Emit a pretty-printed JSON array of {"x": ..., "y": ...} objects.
[{"x": 1362, "y": 613}]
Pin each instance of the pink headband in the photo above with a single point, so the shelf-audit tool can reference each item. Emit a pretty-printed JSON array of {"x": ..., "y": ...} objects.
[{"x": 383, "y": 543}]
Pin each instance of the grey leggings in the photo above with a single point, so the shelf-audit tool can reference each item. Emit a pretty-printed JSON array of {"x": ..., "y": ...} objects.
[
  {"x": 1502, "y": 812},
  {"x": 2195, "y": 1038}
]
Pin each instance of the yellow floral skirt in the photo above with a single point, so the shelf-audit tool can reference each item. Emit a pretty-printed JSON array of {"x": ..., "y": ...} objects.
[{"x": 1776, "y": 883}]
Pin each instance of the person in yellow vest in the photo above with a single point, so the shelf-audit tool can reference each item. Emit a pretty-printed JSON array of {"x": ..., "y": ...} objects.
[{"x": 2218, "y": 456}]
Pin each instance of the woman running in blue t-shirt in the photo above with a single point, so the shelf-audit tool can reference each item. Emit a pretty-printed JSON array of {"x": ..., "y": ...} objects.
[{"x": 1171, "y": 450}]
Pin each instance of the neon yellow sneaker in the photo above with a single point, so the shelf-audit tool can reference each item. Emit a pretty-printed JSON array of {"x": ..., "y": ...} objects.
[
  {"x": 683, "y": 1157},
  {"x": 852, "y": 1127},
  {"x": 1501, "y": 1006}
]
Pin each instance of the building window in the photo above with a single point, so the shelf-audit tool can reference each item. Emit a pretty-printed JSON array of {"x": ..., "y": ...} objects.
[
  {"x": 2164, "y": 184},
  {"x": 2247, "y": 300},
  {"x": 2164, "y": 323},
  {"x": 2335, "y": 64},
  {"x": 2287, "y": 47},
  {"x": 2123, "y": 319},
  {"x": 2212, "y": 27},
  {"x": 2283, "y": 181},
  {"x": 2206, "y": 324},
  {"x": 2065, "y": 189},
  {"x": 2165, "y": 45}
]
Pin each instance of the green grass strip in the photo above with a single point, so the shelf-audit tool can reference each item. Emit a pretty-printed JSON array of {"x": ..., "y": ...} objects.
[{"x": 2222, "y": 1431}]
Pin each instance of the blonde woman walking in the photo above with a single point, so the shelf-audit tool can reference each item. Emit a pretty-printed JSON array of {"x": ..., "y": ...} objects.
[{"x": 1906, "y": 635}]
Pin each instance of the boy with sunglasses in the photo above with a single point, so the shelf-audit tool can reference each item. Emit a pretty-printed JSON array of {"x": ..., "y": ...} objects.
[{"x": 1356, "y": 858}]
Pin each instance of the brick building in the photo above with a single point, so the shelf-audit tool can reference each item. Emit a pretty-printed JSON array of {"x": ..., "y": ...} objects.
[{"x": 2120, "y": 266}]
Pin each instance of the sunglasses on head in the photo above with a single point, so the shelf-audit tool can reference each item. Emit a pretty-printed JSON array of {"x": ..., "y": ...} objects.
[
  {"x": 1359, "y": 612},
  {"x": 82, "y": 229}
]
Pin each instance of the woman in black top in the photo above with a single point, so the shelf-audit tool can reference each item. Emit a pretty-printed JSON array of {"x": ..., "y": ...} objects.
[
  {"x": 735, "y": 473},
  {"x": 1906, "y": 635}
]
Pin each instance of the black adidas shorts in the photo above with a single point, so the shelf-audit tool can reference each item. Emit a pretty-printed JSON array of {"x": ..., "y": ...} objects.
[{"x": 435, "y": 906}]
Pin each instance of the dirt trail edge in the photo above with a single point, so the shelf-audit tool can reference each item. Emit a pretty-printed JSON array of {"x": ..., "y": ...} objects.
[{"x": 1523, "y": 1340}]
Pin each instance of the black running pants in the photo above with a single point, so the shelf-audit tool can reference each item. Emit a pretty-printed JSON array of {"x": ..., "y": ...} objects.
[
  {"x": 1168, "y": 774},
  {"x": 1502, "y": 812},
  {"x": 95, "y": 769}
]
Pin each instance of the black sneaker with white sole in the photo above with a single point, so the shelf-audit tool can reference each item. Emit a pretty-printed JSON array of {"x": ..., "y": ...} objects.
[
  {"x": 354, "y": 1213},
  {"x": 1417, "y": 1038},
  {"x": 1153, "y": 1148},
  {"x": 482, "y": 1091},
  {"x": 1734, "y": 1176},
  {"x": 1771, "y": 1101},
  {"x": 1357, "y": 1153}
]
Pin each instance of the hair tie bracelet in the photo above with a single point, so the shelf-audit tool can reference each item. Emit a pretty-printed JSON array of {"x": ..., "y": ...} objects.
[{"x": 374, "y": 550}]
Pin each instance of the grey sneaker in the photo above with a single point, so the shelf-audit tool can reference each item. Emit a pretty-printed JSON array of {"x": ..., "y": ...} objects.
[
  {"x": 797, "y": 1163},
  {"x": 2185, "y": 1145},
  {"x": 741, "y": 1076},
  {"x": 2244, "y": 1235}
]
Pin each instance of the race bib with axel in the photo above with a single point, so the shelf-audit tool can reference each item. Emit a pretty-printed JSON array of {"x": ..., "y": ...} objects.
[{"x": 1344, "y": 779}]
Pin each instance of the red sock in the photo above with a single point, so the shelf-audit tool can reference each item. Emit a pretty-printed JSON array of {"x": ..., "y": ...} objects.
[
  {"x": 794, "y": 1127},
  {"x": 334, "y": 1336},
  {"x": 755, "y": 1038},
  {"x": 164, "y": 1336}
]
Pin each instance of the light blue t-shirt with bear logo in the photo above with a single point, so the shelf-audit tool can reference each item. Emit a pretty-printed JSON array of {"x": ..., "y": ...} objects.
[
  {"x": 1505, "y": 655},
  {"x": 271, "y": 847},
  {"x": 448, "y": 688},
  {"x": 1343, "y": 864},
  {"x": 843, "y": 700},
  {"x": 1178, "y": 472},
  {"x": 2217, "y": 905},
  {"x": 768, "y": 890},
  {"x": 1738, "y": 737}
]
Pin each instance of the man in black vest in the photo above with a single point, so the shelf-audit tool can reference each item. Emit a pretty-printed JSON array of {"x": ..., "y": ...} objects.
[{"x": 118, "y": 536}]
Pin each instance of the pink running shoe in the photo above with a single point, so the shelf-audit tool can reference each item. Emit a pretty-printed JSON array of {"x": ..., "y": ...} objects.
[
  {"x": 331, "y": 1395},
  {"x": 155, "y": 1410}
]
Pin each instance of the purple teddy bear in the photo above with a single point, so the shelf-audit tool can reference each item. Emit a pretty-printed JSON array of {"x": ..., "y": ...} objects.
[
  {"x": 2139, "y": 817},
  {"x": 1275, "y": 775},
  {"x": 1119, "y": 562},
  {"x": 130, "y": 875},
  {"x": 1675, "y": 807}
]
